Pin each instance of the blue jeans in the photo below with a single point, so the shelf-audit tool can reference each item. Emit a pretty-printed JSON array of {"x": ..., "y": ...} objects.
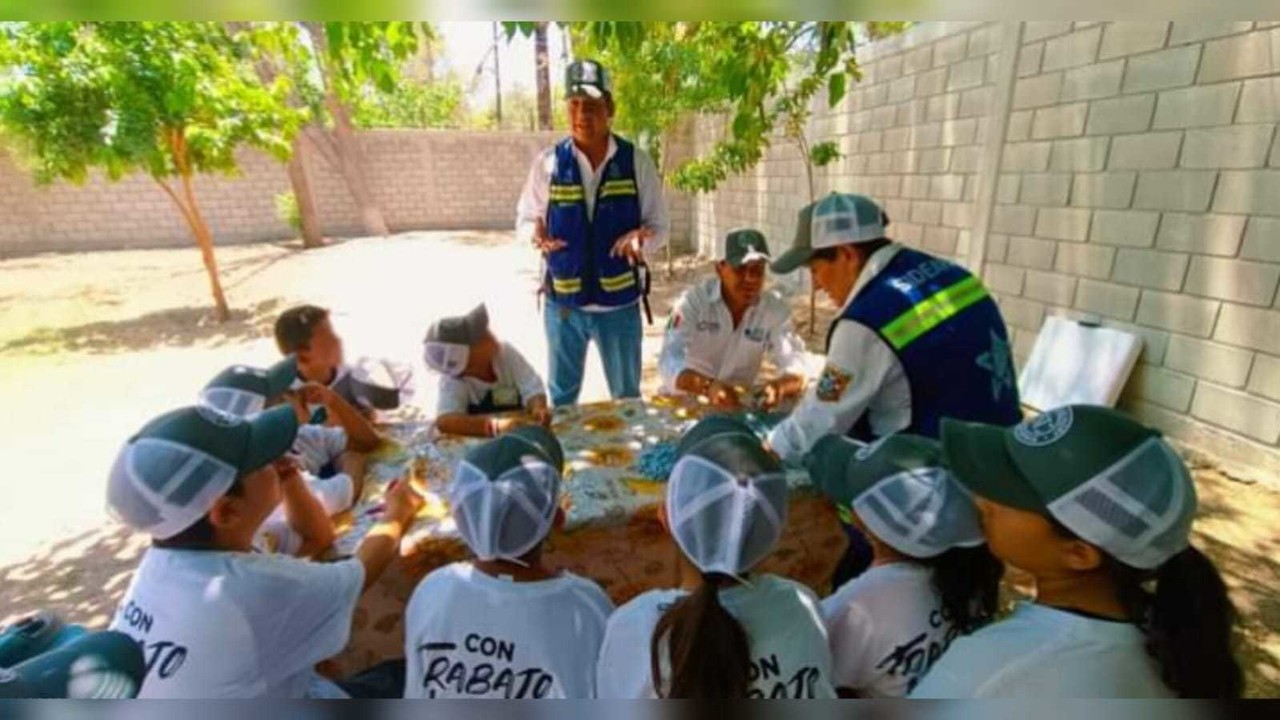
[{"x": 617, "y": 335}]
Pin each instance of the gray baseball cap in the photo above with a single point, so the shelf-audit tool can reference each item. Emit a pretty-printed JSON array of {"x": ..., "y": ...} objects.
[
  {"x": 449, "y": 340},
  {"x": 171, "y": 472},
  {"x": 745, "y": 246},
  {"x": 837, "y": 219},
  {"x": 587, "y": 77},
  {"x": 900, "y": 489},
  {"x": 1107, "y": 478}
]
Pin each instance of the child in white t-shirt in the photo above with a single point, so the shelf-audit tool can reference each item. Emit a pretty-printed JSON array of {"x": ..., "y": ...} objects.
[
  {"x": 482, "y": 380},
  {"x": 505, "y": 626},
  {"x": 1098, "y": 510},
  {"x": 930, "y": 578},
  {"x": 723, "y": 633},
  {"x": 331, "y": 458},
  {"x": 214, "y": 618}
]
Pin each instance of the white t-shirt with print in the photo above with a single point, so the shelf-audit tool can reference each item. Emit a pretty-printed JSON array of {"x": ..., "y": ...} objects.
[
  {"x": 789, "y": 653},
  {"x": 237, "y": 625},
  {"x": 1045, "y": 653},
  {"x": 701, "y": 337},
  {"x": 517, "y": 382},
  {"x": 886, "y": 628},
  {"x": 471, "y": 635}
]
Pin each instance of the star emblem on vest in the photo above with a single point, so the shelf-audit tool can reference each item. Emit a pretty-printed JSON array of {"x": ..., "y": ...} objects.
[
  {"x": 1046, "y": 429},
  {"x": 999, "y": 363}
]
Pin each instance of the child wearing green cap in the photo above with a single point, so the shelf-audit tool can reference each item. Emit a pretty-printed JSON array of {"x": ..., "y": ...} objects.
[
  {"x": 214, "y": 618},
  {"x": 1098, "y": 509},
  {"x": 505, "y": 625},
  {"x": 931, "y": 579},
  {"x": 725, "y": 632}
]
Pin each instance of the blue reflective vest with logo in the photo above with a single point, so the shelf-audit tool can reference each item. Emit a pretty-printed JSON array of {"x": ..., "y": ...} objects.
[
  {"x": 583, "y": 273},
  {"x": 949, "y": 337}
]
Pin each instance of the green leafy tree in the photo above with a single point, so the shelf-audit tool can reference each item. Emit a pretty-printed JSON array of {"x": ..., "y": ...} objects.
[
  {"x": 171, "y": 100},
  {"x": 440, "y": 104}
]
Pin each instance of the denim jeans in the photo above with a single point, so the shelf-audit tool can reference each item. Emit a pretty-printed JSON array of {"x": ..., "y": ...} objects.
[{"x": 617, "y": 335}]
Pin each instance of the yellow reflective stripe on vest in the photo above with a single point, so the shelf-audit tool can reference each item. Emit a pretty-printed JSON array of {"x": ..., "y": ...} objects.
[
  {"x": 567, "y": 193},
  {"x": 618, "y": 282},
  {"x": 618, "y": 187},
  {"x": 566, "y": 286},
  {"x": 933, "y": 311}
]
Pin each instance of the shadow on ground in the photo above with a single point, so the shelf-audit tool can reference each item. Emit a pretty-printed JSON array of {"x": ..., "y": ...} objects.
[
  {"x": 81, "y": 578},
  {"x": 176, "y": 327}
]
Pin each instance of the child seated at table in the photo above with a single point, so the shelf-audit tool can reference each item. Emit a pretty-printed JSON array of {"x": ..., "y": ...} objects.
[
  {"x": 331, "y": 458},
  {"x": 505, "y": 625},
  {"x": 724, "y": 633},
  {"x": 481, "y": 379},
  {"x": 931, "y": 578},
  {"x": 306, "y": 333},
  {"x": 214, "y": 618}
]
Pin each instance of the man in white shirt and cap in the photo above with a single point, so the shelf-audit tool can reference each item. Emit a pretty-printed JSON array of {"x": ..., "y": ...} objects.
[
  {"x": 593, "y": 206},
  {"x": 721, "y": 329}
]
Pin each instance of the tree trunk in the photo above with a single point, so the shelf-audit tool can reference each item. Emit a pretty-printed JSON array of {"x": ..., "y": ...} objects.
[
  {"x": 351, "y": 165},
  {"x": 664, "y": 163},
  {"x": 196, "y": 223},
  {"x": 543, "y": 65},
  {"x": 312, "y": 235},
  {"x": 349, "y": 159}
]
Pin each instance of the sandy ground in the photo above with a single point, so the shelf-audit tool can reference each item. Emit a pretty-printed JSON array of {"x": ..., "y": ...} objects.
[{"x": 94, "y": 344}]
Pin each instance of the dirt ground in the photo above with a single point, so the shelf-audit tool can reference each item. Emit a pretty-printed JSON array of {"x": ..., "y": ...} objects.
[{"x": 94, "y": 344}]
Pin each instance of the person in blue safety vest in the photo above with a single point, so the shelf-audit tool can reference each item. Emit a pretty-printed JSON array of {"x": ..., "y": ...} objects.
[
  {"x": 917, "y": 339},
  {"x": 593, "y": 206}
]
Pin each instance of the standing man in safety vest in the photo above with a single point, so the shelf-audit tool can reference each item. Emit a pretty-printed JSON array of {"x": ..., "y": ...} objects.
[
  {"x": 593, "y": 206},
  {"x": 917, "y": 339}
]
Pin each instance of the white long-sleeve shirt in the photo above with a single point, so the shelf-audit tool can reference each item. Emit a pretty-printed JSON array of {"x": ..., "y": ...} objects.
[
  {"x": 701, "y": 337},
  {"x": 862, "y": 375},
  {"x": 532, "y": 205}
]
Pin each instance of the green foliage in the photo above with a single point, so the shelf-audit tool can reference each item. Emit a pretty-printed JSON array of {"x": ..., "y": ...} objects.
[
  {"x": 440, "y": 104},
  {"x": 823, "y": 154},
  {"x": 164, "y": 98},
  {"x": 287, "y": 210}
]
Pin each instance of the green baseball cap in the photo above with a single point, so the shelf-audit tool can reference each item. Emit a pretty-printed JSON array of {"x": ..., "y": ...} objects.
[
  {"x": 745, "y": 246},
  {"x": 837, "y": 219},
  {"x": 505, "y": 492},
  {"x": 586, "y": 77},
  {"x": 1107, "y": 478},
  {"x": 244, "y": 390},
  {"x": 168, "y": 475},
  {"x": 900, "y": 488}
]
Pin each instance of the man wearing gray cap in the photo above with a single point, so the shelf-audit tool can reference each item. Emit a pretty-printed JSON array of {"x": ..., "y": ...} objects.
[
  {"x": 721, "y": 329},
  {"x": 593, "y": 207}
]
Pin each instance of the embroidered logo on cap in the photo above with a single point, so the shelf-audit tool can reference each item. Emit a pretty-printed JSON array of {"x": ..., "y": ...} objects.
[
  {"x": 1046, "y": 429},
  {"x": 218, "y": 417}
]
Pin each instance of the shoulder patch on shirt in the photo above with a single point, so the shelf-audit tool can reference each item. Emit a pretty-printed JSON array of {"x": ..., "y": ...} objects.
[{"x": 833, "y": 383}]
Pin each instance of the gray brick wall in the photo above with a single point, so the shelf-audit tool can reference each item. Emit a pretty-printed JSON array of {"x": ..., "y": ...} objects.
[
  {"x": 1138, "y": 184},
  {"x": 422, "y": 179}
]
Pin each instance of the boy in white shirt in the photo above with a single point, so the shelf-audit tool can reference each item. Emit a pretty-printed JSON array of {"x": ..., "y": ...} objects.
[
  {"x": 481, "y": 378},
  {"x": 215, "y": 619},
  {"x": 931, "y": 579},
  {"x": 331, "y": 457},
  {"x": 504, "y": 626},
  {"x": 723, "y": 634},
  {"x": 721, "y": 329}
]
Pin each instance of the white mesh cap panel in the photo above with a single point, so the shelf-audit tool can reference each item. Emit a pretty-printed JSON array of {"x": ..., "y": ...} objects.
[
  {"x": 722, "y": 523},
  {"x": 446, "y": 358},
  {"x": 508, "y": 516},
  {"x": 921, "y": 512},
  {"x": 161, "y": 488},
  {"x": 1121, "y": 510},
  {"x": 240, "y": 403}
]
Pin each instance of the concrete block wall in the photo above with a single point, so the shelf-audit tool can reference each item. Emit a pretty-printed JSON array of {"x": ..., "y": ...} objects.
[
  {"x": 1137, "y": 184},
  {"x": 422, "y": 179}
]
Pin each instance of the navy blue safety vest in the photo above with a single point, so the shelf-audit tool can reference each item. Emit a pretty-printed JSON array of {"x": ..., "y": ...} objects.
[
  {"x": 583, "y": 273},
  {"x": 949, "y": 337}
]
